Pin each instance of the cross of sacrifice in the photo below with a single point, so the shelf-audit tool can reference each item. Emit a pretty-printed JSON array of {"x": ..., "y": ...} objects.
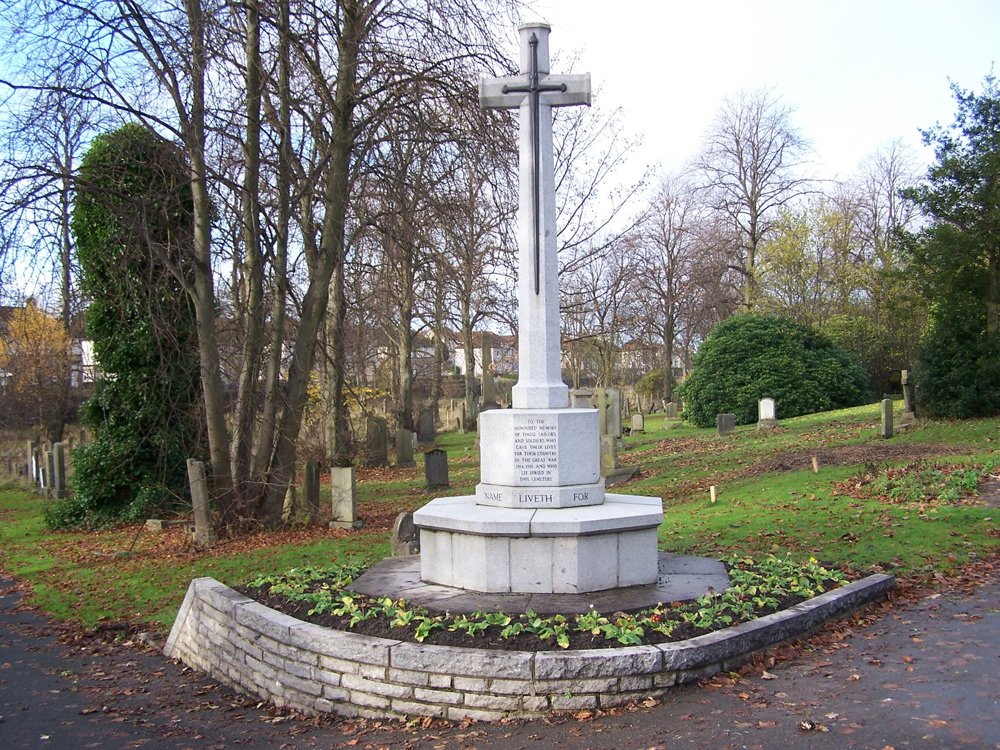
[{"x": 534, "y": 92}]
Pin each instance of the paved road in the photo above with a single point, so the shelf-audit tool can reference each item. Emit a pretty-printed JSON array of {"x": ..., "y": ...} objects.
[{"x": 921, "y": 675}]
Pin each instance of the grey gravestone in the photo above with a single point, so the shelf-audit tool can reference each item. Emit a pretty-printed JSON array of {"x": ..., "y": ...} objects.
[
  {"x": 58, "y": 472},
  {"x": 425, "y": 427},
  {"x": 609, "y": 406},
  {"x": 376, "y": 448},
  {"x": 46, "y": 472},
  {"x": 435, "y": 469},
  {"x": 766, "y": 416},
  {"x": 581, "y": 398},
  {"x": 310, "y": 488},
  {"x": 670, "y": 410},
  {"x": 32, "y": 462},
  {"x": 910, "y": 406},
  {"x": 887, "y": 418},
  {"x": 289, "y": 507},
  {"x": 638, "y": 423},
  {"x": 404, "y": 449},
  {"x": 488, "y": 384},
  {"x": 405, "y": 539},
  {"x": 343, "y": 489},
  {"x": 726, "y": 423},
  {"x": 609, "y": 455},
  {"x": 203, "y": 534}
]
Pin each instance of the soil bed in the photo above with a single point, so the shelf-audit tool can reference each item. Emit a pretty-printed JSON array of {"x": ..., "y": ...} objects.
[
  {"x": 490, "y": 638},
  {"x": 847, "y": 455}
]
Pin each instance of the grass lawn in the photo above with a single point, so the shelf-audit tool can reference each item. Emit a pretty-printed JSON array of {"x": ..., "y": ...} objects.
[{"x": 906, "y": 505}]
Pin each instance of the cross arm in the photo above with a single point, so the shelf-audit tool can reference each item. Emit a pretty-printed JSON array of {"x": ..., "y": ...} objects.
[{"x": 492, "y": 96}]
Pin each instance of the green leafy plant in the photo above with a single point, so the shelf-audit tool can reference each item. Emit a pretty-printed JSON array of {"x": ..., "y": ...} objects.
[
  {"x": 755, "y": 585},
  {"x": 133, "y": 224},
  {"x": 750, "y": 357}
]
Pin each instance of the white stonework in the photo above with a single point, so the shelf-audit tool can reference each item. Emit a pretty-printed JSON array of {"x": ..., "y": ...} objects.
[
  {"x": 567, "y": 550},
  {"x": 540, "y": 458},
  {"x": 540, "y": 521}
]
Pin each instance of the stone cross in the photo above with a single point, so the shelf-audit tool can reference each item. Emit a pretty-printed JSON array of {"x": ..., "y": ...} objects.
[{"x": 534, "y": 92}]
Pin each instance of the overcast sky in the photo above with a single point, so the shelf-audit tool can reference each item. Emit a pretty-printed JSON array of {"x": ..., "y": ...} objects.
[{"x": 860, "y": 73}]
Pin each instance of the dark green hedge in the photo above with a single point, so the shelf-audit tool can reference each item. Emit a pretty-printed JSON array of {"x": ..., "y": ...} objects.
[{"x": 750, "y": 357}]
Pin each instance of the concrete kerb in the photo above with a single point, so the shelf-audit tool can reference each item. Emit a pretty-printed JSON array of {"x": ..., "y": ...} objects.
[{"x": 318, "y": 670}]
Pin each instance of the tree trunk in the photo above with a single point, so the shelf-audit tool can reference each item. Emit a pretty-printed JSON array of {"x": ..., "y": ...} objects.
[
  {"x": 330, "y": 260},
  {"x": 272, "y": 370},
  {"x": 253, "y": 274},
  {"x": 203, "y": 287},
  {"x": 993, "y": 294},
  {"x": 470, "y": 368}
]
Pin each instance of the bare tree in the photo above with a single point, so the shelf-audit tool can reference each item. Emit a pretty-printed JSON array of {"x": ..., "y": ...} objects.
[
  {"x": 671, "y": 243},
  {"x": 749, "y": 166},
  {"x": 323, "y": 78}
]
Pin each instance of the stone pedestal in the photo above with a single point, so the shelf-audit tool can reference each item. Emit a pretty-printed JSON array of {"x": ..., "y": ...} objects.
[
  {"x": 540, "y": 550},
  {"x": 540, "y": 458}
]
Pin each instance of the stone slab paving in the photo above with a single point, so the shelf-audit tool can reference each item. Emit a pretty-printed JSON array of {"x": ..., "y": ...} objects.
[{"x": 680, "y": 578}]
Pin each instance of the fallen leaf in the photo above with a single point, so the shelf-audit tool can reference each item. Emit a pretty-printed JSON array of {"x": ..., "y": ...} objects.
[
  {"x": 768, "y": 676},
  {"x": 854, "y": 678}
]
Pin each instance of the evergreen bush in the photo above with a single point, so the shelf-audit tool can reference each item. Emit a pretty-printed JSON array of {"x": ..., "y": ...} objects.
[
  {"x": 750, "y": 357},
  {"x": 133, "y": 225}
]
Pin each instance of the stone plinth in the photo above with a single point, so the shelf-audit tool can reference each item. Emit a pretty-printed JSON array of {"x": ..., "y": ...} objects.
[
  {"x": 540, "y": 458},
  {"x": 539, "y": 550}
]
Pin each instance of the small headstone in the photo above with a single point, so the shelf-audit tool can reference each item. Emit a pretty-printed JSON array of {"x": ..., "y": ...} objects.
[
  {"x": 670, "y": 410},
  {"x": 435, "y": 469},
  {"x": 425, "y": 428},
  {"x": 638, "y": 423},
  {"x": 887, "y": 418},
  {"x": 32, "y": 463},
  {"x": 376, "y": 448},
  {"x": 909, "y": 400},
  {"x": 404, "y": 449},
  {"x": 766, "y": 419},
  {"x": 488, "y": 384},
  {"x": 405, "y": 539},
  {"x": 310, "y": 488},
  {"x": 58, "y": 472},
  {"x": 289, "y": 507},
  {"x": 344, "y": 510},
  {"x": 581, "y": 398},
  {"x": 204, "y": 533},
  {"x": 609, "y": 455},
  {"x": 46, "y": 485},
  {"x": 608, "y": 402},
  {"x": 726, "y": 423},
  {"x": 458, "y": 425}
]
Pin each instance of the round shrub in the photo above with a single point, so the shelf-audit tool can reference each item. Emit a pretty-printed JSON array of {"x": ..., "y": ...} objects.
[{"x": 750, "y": 357}]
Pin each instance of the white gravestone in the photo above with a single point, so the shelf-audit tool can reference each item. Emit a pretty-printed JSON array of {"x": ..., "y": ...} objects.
[
  {"x": 766, "y": 418},
  {"x": 540, "y": 520}
]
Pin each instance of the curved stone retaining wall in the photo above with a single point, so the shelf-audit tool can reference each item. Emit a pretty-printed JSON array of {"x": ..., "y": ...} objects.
[{"x": 318, "y": 670}]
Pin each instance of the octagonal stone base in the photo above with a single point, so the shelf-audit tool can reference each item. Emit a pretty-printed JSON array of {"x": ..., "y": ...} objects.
[{"x": 564, "y": 551}]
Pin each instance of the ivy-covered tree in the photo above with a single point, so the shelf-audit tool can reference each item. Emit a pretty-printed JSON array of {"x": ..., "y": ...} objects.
[
  {"x": 132, "y": 224},
  {"x": 750, "y": 357},
  {"x": 957, "y": 258}
]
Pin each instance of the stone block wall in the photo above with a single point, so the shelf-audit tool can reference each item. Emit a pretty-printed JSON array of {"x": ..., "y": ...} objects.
[{"x": 318, "y": 670}]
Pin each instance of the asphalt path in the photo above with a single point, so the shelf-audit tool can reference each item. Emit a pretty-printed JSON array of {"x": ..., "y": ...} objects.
[{"x": 924, "y": 673}]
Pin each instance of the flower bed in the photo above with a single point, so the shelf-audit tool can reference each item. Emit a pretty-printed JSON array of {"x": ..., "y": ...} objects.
[{"x": 317, "y": 669}]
